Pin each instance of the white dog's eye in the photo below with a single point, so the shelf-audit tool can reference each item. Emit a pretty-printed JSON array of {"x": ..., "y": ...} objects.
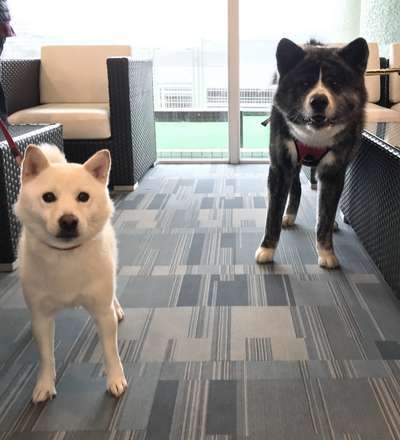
[
  {"x": 83, "y": 197},
  {"x": 49, "y": 197}
]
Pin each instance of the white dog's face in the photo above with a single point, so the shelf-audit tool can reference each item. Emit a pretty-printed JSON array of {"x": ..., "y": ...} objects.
[{"x": 64, "y": 204}]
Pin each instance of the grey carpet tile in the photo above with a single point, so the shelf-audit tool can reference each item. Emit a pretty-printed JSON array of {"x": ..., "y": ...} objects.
[{"x": 214, "y": 346}]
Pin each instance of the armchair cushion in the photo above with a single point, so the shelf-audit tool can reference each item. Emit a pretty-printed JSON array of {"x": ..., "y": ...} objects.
[
  {"x": 377, "y": 113},
  {"x": 396, "y": 107},
  {"x": 79, "y": 121},
  {"x": 372, "y": 83},
  {"x": 76, "y": 74},
  {"x": 394, "y": 78}
]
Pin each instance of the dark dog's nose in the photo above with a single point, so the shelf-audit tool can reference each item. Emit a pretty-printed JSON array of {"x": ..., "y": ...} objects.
[
  {"x": 319, "y": 103},
  {"x": 68, "y": 223}
]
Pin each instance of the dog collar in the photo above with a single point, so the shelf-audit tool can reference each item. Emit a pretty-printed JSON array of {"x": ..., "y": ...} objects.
[
  {"x": 63, "y": 249},
  {"x": 309, "y": 156}
]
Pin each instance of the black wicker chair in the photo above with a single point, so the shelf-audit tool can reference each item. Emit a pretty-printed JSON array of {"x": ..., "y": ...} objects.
[{"x": 132, "y": 143}]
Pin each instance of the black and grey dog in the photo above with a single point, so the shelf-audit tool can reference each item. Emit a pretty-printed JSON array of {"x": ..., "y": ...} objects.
[{"x": 316, "y": 119}]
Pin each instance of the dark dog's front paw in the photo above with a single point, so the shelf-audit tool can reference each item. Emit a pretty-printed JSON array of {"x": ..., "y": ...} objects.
[
  {"x": 264, "y": 255},
  {"x": 327, "y": 259},
  {"x": 288, "y": 220}
]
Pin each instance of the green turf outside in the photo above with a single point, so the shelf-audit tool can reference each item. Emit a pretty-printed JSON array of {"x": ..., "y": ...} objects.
[{"x": 186, "y": 136}]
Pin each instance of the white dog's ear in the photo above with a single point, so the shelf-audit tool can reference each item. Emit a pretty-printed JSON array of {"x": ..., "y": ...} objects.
[
  {"x": 99, "y": 165},
  {"x": 34, "y": 162}
]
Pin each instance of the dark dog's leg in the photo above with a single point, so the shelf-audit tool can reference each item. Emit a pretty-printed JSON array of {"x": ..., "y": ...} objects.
[
  {"x": 313, "y": 178},
  {"x": 294, "y": 200},
  {"x": 331, "y": 186},
  {"x": 279, "y": 181}
]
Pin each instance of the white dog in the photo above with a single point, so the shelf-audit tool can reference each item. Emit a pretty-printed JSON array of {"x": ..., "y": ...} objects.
[{"x": 68, "y": 254}]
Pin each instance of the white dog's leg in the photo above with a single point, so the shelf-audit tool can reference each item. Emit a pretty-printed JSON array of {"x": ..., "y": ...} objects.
[
  {"x": 106, "y": 320},
  {"x": 43, "y": 331}
]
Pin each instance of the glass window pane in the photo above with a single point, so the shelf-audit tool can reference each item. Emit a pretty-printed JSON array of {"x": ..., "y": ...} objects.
[{"x": 186, "y": 39}]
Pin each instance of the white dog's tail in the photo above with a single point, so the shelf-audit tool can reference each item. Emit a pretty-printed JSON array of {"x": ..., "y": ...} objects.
[{"x": 53, "y": 153}]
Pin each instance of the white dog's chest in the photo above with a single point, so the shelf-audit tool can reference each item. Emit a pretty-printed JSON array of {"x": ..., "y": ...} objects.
[
  {"x": 59, "y": 281},
  {"x": 315, "y": 138},
  {"x": 62, "y": 300},
  {"x": 65, "y": 289}
]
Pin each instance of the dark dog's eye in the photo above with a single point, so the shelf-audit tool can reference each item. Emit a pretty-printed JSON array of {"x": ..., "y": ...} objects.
[
  {"x": 49, "y": 197},
  {"x": 332, "y": 82},
  {"x": 83, "y": 197}
]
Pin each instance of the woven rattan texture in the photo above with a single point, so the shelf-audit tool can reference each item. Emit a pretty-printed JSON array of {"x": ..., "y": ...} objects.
[
  {"x": 132, "y": 118},
  {"x": 371, "y": 203},
  {"x": 20, "y": 81},
  {"x": 142, "y": 117},
  {"x": 9, "y": 182},
  {"x": 79, "y": 150},
  {"x": 122, "y": 148}
]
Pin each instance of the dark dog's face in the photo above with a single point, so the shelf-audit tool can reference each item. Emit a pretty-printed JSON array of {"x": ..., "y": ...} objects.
[{"x": 321, "y": 87}]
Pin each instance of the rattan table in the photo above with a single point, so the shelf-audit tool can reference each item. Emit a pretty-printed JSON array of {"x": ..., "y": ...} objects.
[
  {"x": 371, "y": 197},
  {"x": 9, "y": 183}
]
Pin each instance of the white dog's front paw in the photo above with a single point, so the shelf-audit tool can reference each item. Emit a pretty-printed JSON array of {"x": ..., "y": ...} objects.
[
  {"x": 44, "y": 390},
  {"x": 327, "y": 259},
  {"x": 288, "y": 220},
  {"x": 264, "y": 255},
  {"x": 116, "y": 385}
]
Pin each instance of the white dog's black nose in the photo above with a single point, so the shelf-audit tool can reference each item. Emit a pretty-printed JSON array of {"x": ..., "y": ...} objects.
[
  {"x": 68, "y": 223},
  {"x": 319, "y": 103}
]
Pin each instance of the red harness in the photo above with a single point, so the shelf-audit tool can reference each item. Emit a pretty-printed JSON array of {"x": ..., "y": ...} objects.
[
  {"x": 306, "y": 155},
  {"x": 309, "y": 156},
  {"x": 13, "y": 146}
]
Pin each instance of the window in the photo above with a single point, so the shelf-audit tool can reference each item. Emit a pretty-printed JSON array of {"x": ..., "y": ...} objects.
[{"x": 187, "y": 41}]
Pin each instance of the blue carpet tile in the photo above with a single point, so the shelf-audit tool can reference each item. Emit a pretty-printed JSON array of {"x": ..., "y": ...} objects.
[{"x": 214, "y": 346}]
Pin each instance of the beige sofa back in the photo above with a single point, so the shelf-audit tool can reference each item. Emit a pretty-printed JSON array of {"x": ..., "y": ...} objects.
[
  {"x": 372, "y": 83},
  {"x": 394, "y": 78},
  {"x": 76, "y": 74}
]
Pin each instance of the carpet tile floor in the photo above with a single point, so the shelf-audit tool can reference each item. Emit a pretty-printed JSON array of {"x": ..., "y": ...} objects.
[{"x": 214, "y": 346}]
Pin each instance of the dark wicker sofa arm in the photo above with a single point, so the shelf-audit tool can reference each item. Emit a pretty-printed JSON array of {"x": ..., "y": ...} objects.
[
  {"x": 384, "y": 84},
  {"x": 132, "y": 113},
  {"x": 20, "y": 81}
]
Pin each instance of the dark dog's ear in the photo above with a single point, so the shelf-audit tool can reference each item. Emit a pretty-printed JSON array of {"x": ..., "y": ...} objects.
[
  {"x": 356, "y": 54},
  {"x": 288, "y": 54}
]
